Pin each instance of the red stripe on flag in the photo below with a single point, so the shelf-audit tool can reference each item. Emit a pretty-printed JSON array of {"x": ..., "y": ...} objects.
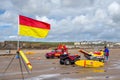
[{"x": 33, "y": 23}]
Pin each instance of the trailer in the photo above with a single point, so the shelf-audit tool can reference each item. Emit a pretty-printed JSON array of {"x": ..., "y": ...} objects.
[{"x": 96, "y": 55}]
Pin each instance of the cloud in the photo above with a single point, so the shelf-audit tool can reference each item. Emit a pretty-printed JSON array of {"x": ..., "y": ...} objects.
[
  {"x": 6, "y": 4},
  {"x": 70, "y": 20},
  {"x": 80, "y": 20},
  {"x": 114, "y": 11},
  {"x": 78, "y": 3},
  {"x": 114, "y": 8}
]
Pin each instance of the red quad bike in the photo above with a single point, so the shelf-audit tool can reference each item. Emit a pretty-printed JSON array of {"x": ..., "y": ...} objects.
[
  {"x": 54, "y": 54},
  {"x": 66, "y": 59}
]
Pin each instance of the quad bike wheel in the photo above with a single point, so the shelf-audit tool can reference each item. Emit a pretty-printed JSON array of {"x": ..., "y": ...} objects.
[{"x": 67, "y": 62}]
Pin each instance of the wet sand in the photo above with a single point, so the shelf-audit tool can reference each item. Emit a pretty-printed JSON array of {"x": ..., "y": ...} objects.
[{"x": 50, "y": 69}]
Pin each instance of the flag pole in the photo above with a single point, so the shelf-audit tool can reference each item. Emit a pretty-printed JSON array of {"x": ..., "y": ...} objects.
[
  {"x": 18, "y": 37},
  {"x": 18, "y": 49},
  {"x": 18, "y": 43}
]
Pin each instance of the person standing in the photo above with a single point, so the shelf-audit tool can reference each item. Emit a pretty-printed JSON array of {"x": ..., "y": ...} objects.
[{"x": 106, "y": 53}]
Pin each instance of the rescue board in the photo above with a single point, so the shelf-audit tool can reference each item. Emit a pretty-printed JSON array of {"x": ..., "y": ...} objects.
[
  {"x": 89, "y": 63},
  {"x": 25, "y": 59}
]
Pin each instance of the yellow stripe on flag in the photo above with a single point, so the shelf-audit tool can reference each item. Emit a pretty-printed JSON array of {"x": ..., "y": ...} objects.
[{"x": 32, "y": 31}]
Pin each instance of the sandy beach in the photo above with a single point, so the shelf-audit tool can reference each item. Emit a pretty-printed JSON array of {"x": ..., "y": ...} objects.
[{"x": 50, "y": 69}]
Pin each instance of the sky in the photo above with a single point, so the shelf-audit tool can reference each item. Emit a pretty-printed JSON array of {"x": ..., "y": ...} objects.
[{"x": 70, "y": 20}]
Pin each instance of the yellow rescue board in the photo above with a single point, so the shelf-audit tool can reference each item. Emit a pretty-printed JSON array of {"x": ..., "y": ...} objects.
[
  {"x": 25, "y": 59},
  {"x": 89, "y": 63}
]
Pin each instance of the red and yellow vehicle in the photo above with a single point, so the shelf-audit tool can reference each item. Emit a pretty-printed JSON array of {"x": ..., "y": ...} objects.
[{"x": 55, "y": 53}]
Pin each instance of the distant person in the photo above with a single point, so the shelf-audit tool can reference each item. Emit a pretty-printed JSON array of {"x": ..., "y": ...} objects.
[{"x": 106, "y": 53}]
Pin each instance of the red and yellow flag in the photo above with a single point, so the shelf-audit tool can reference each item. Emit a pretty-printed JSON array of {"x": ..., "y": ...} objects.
[{"x": 32, "y": 28}]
